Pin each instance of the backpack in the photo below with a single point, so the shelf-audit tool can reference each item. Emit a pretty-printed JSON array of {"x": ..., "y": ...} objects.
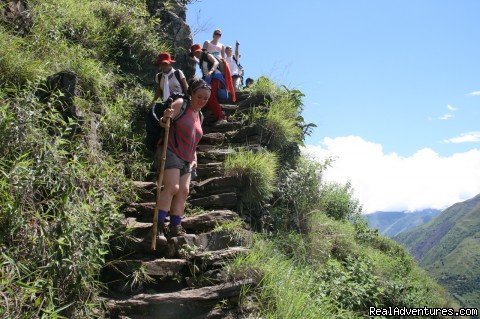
[
  {"x": 177, "y": 76},
  {"x": 154, "y": 131}
]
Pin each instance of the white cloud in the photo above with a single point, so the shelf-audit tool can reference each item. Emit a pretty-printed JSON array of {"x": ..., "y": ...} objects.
[
  {"x": 451, "y": 108},
  {"x": 465, "y": 138},
  {"x": 389, "y": 182},
  {"x": 445, "y": 117},
  {"x": 474, "y": 93}
]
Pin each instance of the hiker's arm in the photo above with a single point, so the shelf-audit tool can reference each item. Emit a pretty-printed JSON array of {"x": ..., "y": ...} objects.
[
  {"x": 223, "y": 51},
  {"x": 171, "y": 112},
  {"x": 193, "y": 164},
  {"x": 236, "y": 51},
  {"x": 215, "y": 64}
]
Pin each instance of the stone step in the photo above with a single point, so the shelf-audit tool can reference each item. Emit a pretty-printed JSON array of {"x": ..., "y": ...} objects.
[
  {"x": 229, "y": 106},
  {"x": 217, "y": 201},
  {"x": 205, "y": 187},
  {"x": 208, "y": 221},
  {"x": 192, "y": 304},
  {"x": 222, "y": 128},
  {"x": 253, "y": 132},
  {"x": 215, "y": 138},
  {"x": 207, "y": 170},
  {"x": 193, "y": 224},
  {"x": 208, "y": 199},
  {"x": 184, "y": 246},
  {"x": 214, "y": 185},
  {"x": 214, "y": 155},
  {"x": 217, "y": 258},
  {"x": 146, "y": 191}
]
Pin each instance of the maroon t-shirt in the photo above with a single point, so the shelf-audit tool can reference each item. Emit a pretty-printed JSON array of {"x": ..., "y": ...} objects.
[{"x": 187, "y": 130}]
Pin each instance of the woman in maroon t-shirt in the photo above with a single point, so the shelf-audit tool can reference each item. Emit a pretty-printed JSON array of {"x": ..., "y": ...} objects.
[{"x": 181, "y": 157}]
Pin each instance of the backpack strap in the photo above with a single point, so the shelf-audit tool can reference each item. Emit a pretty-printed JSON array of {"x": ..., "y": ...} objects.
[{"x": 177, "y": 75}]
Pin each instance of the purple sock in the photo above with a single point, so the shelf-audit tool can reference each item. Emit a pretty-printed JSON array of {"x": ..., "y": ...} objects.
[
  {"x": 161, "y": 216},
  {"x": 175, "y": 220}
]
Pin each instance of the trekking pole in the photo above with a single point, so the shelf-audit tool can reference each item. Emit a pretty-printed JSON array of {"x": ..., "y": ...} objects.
[{"x": 159, "y": 185}]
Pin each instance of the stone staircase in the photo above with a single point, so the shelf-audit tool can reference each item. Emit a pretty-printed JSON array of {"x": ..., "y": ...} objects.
[{"x": 186, "y": 277}]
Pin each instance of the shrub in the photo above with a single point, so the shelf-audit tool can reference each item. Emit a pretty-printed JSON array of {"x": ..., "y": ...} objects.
[
  {"x": 297, "y": 194},
  {"x": 337, "y": 201},
  {"x": 257, "y": 173},
  {"x": 59, "y": 208},
  {"x": 264, "y": 86}
]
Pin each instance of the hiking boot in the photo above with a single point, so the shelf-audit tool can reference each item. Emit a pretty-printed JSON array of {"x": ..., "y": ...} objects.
[
  {"x": 161, "y": 238},
  {"x": 176, "y": 231}
]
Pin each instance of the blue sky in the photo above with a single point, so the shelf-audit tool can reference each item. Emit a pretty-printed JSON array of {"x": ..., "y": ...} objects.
[{"x": 396, "y": 74}]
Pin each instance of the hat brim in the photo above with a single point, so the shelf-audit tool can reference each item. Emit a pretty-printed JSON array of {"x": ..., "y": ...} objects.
[{"x": 164, "y": 61}]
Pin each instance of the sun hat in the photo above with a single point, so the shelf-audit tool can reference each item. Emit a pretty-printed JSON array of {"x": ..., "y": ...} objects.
[
  {"x": 164, "y": 57},
  {"x": 195, "y": 48}
]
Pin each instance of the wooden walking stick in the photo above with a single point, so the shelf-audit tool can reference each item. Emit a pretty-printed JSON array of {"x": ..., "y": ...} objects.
[{"x": 159, "y": 184}]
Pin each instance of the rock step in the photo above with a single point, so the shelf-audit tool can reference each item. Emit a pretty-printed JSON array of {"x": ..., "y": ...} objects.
[
  {"x": 216, "y": 138},
  {"x": 193, "y": 224},
  {"x": 217, "y": 201},
  {"x": 207, "y": 170},
  {"x": 214, "y": 185},
  {"x": 222, "y": 128},
  {"x": 143, "y": 212},
  {"x": 176, "y": 267},
  {"x": 192, "y": 304},
  {"x": 185, "y": 245},
  {"x": 213, "y": 155},
  {"x": 229, "y": 106}
]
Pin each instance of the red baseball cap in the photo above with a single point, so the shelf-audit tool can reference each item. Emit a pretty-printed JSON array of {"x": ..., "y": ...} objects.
[
  {"x": 164, "y": 57},
  {"x": 195, "y": 48}
]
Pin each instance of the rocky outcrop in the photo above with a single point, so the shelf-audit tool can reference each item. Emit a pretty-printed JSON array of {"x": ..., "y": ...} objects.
[
  {"x": 175, "y": 30},
  {"x": 16, "y": 14}
]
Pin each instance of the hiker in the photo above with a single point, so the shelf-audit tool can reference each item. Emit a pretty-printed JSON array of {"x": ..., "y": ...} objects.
[
  {"x": 214, "y": 47},
  {"x": 236, "y": 69},
  {"x": 248, "y": 83},
  {"x": 184, "y": 135},
  {"x": 170, "y": 81},
  {"x": 209, "y": 67}
]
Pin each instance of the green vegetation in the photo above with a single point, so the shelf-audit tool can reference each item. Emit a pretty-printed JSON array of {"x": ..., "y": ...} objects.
[
  {"x": 257, "y": 173},
  {"x": 63, "y": 177},
  {"x": 334, "y": 271},
  {"x": 281, "y": 118},
  {"x": 316, "y": 256},
  {"x": 448, "y": 247}
]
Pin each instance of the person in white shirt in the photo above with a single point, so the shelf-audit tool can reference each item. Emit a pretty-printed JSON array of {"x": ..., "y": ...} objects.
[
  {"x": 170, "y": 81},
  {"x": 235, "y": 70},
  {"x": 214, "y": 46}
]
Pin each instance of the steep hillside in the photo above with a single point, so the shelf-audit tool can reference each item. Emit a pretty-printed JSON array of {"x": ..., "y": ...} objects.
[
  {"x": 394, "y": 223},
  {"x": 76, "y": 191},
  {"x": 448, "y": 247}
]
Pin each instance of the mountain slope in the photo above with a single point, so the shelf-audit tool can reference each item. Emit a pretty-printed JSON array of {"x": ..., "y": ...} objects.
[
  {"x": 449, "y": 248},
  {"x": 394, "y": 223}
]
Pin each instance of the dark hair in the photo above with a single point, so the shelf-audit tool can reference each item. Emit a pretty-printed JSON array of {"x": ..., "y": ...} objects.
[
  {"x": 249, "y": 80},
  {"x": 197, "y": 84}
]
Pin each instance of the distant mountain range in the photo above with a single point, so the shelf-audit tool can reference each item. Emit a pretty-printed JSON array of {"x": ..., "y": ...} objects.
[
  {"x": 394, "y": 223},
  {"x": 448, "y": 247}
]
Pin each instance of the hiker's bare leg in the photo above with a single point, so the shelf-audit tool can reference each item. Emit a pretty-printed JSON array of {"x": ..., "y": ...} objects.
[
  {"x": 178, "y": 203},
  {"x": 171, "y": 180}
]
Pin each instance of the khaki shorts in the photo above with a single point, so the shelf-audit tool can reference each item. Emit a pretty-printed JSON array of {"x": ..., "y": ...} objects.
[{"x": 172, "y": 161}]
